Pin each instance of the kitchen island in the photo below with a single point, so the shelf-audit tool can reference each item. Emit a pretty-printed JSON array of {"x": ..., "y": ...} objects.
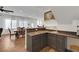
[{"x": 37, "y": 40}]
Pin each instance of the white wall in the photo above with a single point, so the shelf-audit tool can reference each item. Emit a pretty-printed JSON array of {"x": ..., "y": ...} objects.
[
  {"x": 65, "y": 27},
  {"x": 68, "y": 27},
  {"x": 65, "y": 17}
]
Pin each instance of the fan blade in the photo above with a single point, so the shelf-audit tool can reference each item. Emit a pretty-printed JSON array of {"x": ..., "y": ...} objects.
[
  {"x": 1, "y": 10},
  {"x": 8, "y": 11},
  {"x": 1, "y": 7}
]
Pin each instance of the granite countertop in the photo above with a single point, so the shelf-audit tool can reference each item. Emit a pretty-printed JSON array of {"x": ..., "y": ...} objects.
[
  {"x": 36, "y": 33},
  {"x": 52, "y": 32}
]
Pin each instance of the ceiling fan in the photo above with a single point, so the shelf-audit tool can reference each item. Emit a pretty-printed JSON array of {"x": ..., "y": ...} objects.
[{"x": 4, "y": 10}]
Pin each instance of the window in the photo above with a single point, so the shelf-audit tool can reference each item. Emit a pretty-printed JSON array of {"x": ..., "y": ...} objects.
[
  {"x": 21, "y": 23},
  {"x": 14, "y": 24},
  {"x": 25, "y": 24},
  {"x": 10, "y": 24},
  {"x": 7, "y": 23}
]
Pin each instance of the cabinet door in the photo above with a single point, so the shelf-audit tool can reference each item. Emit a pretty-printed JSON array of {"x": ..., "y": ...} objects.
[
  {"x": 61, "y": 42},
  {"x": 52, "y": 40},
  {"x": 29, "y": 43},
  {"x": 39, "y": 42},
  {"x": 36, "y": 45},
  {"x": 43, "y": 39},
  {"x": 49, "y": 39}
]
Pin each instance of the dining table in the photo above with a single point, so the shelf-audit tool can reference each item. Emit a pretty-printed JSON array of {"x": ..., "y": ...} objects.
[{"x": 18, "y": 33}]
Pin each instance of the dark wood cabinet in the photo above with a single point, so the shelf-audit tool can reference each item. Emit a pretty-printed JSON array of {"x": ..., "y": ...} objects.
[
  {"x": 57, "y": 42},
  {"x": 29, "y": 43},
  {"x": 43, "y": 40},
  {"x": 61, "y": 43},
  {"x": 33, "y": 43},
  {"x": 52, "y": 40},
  {"x": 38, "y": 42}
]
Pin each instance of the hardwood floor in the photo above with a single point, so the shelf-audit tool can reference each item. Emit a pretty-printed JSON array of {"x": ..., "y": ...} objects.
[{"x": 9, "y": 45}]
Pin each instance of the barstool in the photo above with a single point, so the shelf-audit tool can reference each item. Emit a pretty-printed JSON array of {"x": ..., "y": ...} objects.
[{"x": 1, "y": 29}]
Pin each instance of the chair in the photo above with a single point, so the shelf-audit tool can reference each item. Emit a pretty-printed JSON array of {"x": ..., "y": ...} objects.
[
  {"x": 17, "y": 32},
  {"x": 1, "y": 30},
  {"x": 23, "y": 31},
  {"x": 9, "y": 32}
]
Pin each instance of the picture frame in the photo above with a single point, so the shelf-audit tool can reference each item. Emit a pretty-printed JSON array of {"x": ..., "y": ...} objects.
[{"x": 49, "y": 15}]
